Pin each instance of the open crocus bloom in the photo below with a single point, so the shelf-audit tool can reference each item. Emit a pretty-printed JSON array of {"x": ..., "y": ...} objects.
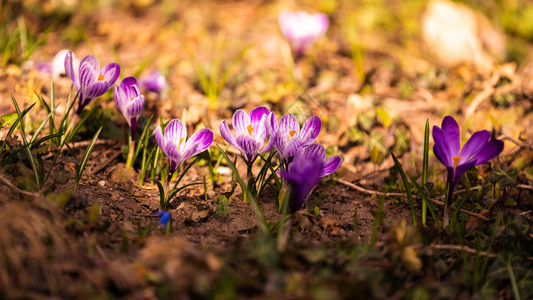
[
  {"x": 154, "y": 82},
  {"x": 302, "y": 29},
  {"x": 288, "y": 137},
  {"x": 477, "y": 150},
  {"x": 129, "y": 101},
  {"x": 250, "y": 132},
  {"x": 175, "y": 145},
  {"x": 304, "y": 173},
  {"x": 91, "y": 80}
]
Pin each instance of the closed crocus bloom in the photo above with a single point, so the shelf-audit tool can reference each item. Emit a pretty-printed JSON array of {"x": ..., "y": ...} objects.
[
  {"x": 129, "y": 101},
  {"x": 309, "y": 165},
  {"x": 302, "y": 29},
  {"x": 250, "y": 132},
  {"x": 92, "y": 81},
  {"x": 289, "y": 138},
  {"x": 175, "y": 145},
  {"x": 58, "y": 64},
  {"x": 478, "y": 150}
]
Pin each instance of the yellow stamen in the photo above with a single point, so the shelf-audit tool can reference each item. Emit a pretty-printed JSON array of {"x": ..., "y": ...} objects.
[
  {"x": 291, "y": 134},
  {"x": 181, "y": 141},
  {"x": 250, "y": 129},
  {"x": 100, "y": 77},
  {"x": 456, "y": 160}
]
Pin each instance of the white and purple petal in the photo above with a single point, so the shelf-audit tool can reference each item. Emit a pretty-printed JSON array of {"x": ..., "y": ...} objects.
[
  {"x": 241, "y": 120},
  {"x": 311, "y": 128}
]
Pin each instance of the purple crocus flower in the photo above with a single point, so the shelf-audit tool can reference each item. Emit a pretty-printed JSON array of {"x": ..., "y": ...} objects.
[
  {"x": 91, "y": 81},
  {"x": 302, "y": 29},
  {"x": 165, "y": 217},
  {"x": 154, "y": 82},
  {"x": 309, "y": 165},
  {"x": 129, "y": 101},
  {"x": 250, "y": 132},
  {"x": 477, "y": 150},
  {"x": 288, "y": 137},
  {"x": 175, "y": 145}
]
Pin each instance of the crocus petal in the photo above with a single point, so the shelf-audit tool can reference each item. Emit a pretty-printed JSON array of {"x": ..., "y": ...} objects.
[
  {"x": 492, "y": 149},
  {"x": 257, "y": 114},
  {"x": 175, "y": 131},
  {"x": 134, "y": 107},
  {"x": 241, "y": 120},
  {"x": 452, "y": 136},
  {"x": 90, "y": 61},
  {"x": 311, "y": 128},
  {"x": 441, "y": 149},
  {"x": 289, "y": 123},
  {"x": 95, "y": 89},
  {"x": 203, "y": 138},
  {"x": 159, "y": 138},
  {"x": 460, "y": 170},
  {"x": 249, "y": 147},
  {"x": 332, "y": 164},
  {"x": 227, "y": 135},
  {"x": 291, "y": 147},
  {"x": 261, "y": 130},
  {"x": 120, "y": 99},
  {"x": 315, "y": 151},
  {"x": 474, "y": 145},
  {"x": 154, "y": 82},
  {"x": 69, "y": 69},
  {"x": 111, "y": 73}
]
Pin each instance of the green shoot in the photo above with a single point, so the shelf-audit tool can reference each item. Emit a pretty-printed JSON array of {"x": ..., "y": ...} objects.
[
  {"x": 81, "y": 166},
  {"x": 255, "y": 206},
  {"x": 407, "y": 187},
  {"x": 425, "y": 167}
]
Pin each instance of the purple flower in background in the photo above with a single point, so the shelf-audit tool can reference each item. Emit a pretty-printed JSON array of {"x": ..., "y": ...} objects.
[
  {"x": 129, "y": 101},
  {"x": 288, "y": 137},
  {"x": 477, "y": 150},
  {"x": 154, "y": 82},
  {"x": 91, "y": 80},
  {"x": 58, "y": 64},
  {"x": 250, "y": 132},
  {"x": 302, "y": 29},
  {"x": 309, "y": 165},
  {"x": 175, "y": 145},
  {"x": 165, "y": 218}
]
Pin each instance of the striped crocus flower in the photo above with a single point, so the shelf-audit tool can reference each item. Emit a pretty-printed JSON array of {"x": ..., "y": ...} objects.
[
  {"x": 154, "y": 82},
  {"x": 129, "y": 101},
  {"x": 92, "y": 81},
  {"x": 250, "y": 132},
  {"x": 304, "y": 172},
  {"x": 288, "y": 137},
  {"x": 302, "y": 29},
  {"x": 175, "y": 145}
]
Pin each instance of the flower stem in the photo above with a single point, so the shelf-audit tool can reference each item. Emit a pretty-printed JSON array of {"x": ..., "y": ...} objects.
[
  {"x": 131, "y": 149},
  {"x": 449, "y": 194}
]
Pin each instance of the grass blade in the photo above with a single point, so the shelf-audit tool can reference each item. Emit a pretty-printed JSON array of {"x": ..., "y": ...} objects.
[
  {"x": 425, "y": 167},
  {"x": 407, "y": 187},
  {"x": 428, "y": 203},
  {"x": 85, "y": 158},
  {"x": 25, "y": 141},
  {"x": 257, "y": 209}
]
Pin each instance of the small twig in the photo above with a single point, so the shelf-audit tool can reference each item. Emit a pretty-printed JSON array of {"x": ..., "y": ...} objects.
[
  {"x": 467, "y": 249},
  {"x": 82, "y": 144},
  {"x": 11, "y": 185},
  {"x": 525, "y": 187},
  {"x": 514, "y": 141}
]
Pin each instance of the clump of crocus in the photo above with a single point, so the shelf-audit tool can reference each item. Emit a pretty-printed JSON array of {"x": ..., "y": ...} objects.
[
  {"x": 154, "y": 82},
  {"x": 287, "y": 136},
  {"x": 130, "y": 102},
  {"x": 91, "y": 80},
  {"x": 251, "y": 133},
  {"x": 175, "y": 145},
  {"x": 302, "y": 29},
  {"x": 304, "y": 172},
  {"x": 479, "y": 149}
]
